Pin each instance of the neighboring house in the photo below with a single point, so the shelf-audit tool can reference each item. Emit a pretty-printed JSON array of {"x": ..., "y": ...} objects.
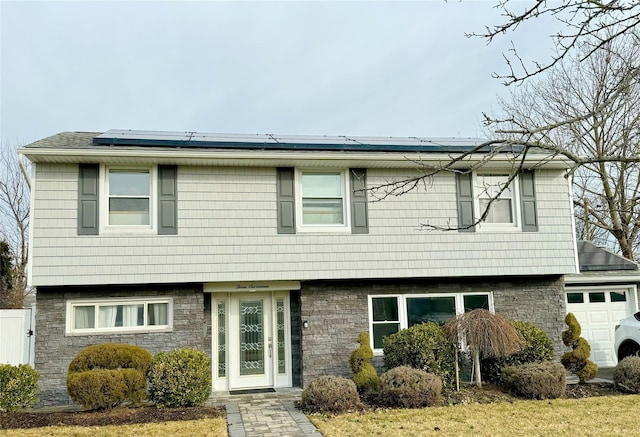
[
  {"x": 268, "y": 253},
  {"x": 605, "y": 291}
]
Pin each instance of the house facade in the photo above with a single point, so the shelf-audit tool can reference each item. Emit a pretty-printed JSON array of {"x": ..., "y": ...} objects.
[{"x": 272, "y": 253}]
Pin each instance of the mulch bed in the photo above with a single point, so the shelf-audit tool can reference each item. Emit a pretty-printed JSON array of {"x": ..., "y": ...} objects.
[
  {"x": 125, "y": 416},
  {"x": 116, "y": 416}
]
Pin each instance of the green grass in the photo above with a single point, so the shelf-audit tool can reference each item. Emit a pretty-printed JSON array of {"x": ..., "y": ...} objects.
[
  {"x": 595, "y": 416},
  {"x": 205, "y": 427}
]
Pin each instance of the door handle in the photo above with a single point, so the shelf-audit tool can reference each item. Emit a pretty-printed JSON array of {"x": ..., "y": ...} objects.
[{"x": 270, "y": 345}]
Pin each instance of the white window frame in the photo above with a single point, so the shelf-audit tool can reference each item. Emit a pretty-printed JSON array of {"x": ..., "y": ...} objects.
[
  {"x": 96, "y": 303},
  {"x": 402, "y": 307},
  {"x": 514, "y": 187},
  {"x": 107, "y": 228},
  {"x": 346, "y": 202}
]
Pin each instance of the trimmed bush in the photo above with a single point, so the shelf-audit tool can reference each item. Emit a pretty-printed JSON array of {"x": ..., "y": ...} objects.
[
  {"x": 366, "y": 378},
  {"x": 538, "y": 348},
  {"x": 106, "y": 375},
  {"x": 626, "y": 374},
  {"x": 102, "y": 389},
  {"x": 330, "y": 394},
  {"x": 536, "y": 381},
  {"x": 111, "y": 356},
  {"x": 423, "y": 346},
  {"x": 181, "y": 378},
  {"x": 407, "y": 387},
  {"x": 18, "y": 387},
  {"x": 577, "y": 361}
]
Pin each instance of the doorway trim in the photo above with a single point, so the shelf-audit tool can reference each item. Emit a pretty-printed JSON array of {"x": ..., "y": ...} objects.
[{"x": 226, "y": 296}]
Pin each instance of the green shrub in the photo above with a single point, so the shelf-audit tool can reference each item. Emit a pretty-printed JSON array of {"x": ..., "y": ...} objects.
[
  {"x": 103, "y": 376},
  {"x": 577, "y": 361},
  {"x": 536, "y": 381},
  {"x": 181, "y": 378},
  {"x": 18, "y": 387},
  {"x": 366, "y": 378},
  {"x": 101, "y": 389},
  {"x": 538, "y": 348},
  {"x": 626, "y": 374},
  {"x": 330, "y": 394},
  {"x": 111, "y": 356},
  {"x": 407, "y": 387},
  {"x": 423, "y": 346}
]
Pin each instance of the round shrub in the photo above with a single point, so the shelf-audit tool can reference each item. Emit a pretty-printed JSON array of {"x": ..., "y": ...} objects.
[
  {"x": 536, "y": 381},
  {"x": 111, "y": 356},
  {"x": 423, "y": 346},
  {"x": 101, "y": 389},
  {"x": 330, "y": 394},
  {"x": 366, "y": 378},
  {"x": 18, "y": 387},
  {"x": 407, "y": 387},
  {"x": 181, "y": 378},
  {"x": 626, "y": 374},
  {"x": 538, "y": 348},
  {"x": 103, "y": 376}
]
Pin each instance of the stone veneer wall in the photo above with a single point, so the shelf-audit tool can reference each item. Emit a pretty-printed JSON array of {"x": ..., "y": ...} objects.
[
  {"x": 338, "y": 311},
  {"x": 54, "y": 351}
]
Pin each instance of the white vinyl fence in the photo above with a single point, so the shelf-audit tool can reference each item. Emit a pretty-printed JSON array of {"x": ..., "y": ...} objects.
[{"x": 16, "y": 336}]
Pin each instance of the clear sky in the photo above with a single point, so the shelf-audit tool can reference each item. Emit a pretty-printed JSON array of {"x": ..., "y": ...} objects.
[{"x": 296, "y": 67}]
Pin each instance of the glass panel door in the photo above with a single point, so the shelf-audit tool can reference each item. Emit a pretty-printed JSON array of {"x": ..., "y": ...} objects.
[{"x": 251, "y": 337}]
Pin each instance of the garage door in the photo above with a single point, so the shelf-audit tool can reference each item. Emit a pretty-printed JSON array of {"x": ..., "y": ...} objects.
[{"x": 598, "y": 312}]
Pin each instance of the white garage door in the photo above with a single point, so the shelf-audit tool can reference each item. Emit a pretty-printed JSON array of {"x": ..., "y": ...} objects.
[{"x": 598, "y": 312}]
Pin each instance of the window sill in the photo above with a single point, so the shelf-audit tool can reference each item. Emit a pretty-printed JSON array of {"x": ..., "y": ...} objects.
[{"x": 118, "y": 332}]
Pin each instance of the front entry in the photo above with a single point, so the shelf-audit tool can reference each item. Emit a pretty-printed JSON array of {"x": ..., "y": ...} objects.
[{"x": 251, "y": 333}]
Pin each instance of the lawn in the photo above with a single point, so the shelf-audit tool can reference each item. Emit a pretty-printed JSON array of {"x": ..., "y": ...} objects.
[
  {"x": 594, "y": 416},
  {"x": 204, "y": 427}
]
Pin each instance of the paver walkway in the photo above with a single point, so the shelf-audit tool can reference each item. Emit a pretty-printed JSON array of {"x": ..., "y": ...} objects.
[{"x": 265, "y": 414}]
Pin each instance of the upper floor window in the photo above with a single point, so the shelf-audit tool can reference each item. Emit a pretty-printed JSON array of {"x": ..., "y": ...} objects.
[
  {"x": 314, "y": 200},
  {"x": 129, "y": 197},
  {"x": 508, "y": 204},
  {"x": 322, "y": 198},
  {"x": 495, "y": 194}
]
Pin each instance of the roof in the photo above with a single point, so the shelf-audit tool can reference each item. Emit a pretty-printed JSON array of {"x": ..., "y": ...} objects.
[
  {"x": 593, "y": 258},
  {"x": 117, "y": 137},
  {"x": 259, "y": 150}
]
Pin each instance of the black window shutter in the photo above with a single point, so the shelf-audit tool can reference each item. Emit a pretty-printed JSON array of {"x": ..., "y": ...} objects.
[
  {"x": 359, "y": 210},
  {"x": 88, "y": 175},
  {"x": 528, "y": 202},
  {"x": 464, "y": 192},
  {"x": 167, "y": 200},
  {"x": 285, "y": 181}
]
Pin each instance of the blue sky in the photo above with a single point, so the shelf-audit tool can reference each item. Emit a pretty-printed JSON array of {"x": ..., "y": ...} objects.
[{"x": 297, "y": 67}]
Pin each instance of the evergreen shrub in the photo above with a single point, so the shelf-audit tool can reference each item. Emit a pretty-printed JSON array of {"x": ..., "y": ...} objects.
[
  {"x": 536, "y": 380},
  {"x": 423, "y": 346},
  {"x": 407, "y": 387},
  {"x": 626, "y": 374},
  {"x": 104, "y": 376},
  {"x": 330, "y": 394},
  {"x": 538, "y": 348},
  {"x": 181, "y": 378},
  {"x": 18, "y": 387}
]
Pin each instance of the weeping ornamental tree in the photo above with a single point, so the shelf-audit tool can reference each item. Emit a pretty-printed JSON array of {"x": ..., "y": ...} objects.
[{"x": 486, "y": 334}]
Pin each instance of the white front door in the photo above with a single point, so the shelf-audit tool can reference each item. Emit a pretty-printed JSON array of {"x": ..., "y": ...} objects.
[{"x": 250, "y": 341}]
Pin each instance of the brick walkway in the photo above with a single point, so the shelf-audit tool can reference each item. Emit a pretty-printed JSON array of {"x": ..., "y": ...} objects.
[{"x": 265, "y": 414}]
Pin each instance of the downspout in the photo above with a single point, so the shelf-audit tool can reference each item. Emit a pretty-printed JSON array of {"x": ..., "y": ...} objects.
[
  {"x": 573, "y": 221},
  {"x": 23, "y": 169}
]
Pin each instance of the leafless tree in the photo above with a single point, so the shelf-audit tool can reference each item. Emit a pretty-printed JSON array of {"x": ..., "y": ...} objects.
[
  {"x": 599, "y": 21},
  {"x": 14, "y": 217},
  {"x": 589, "y": 108}
]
